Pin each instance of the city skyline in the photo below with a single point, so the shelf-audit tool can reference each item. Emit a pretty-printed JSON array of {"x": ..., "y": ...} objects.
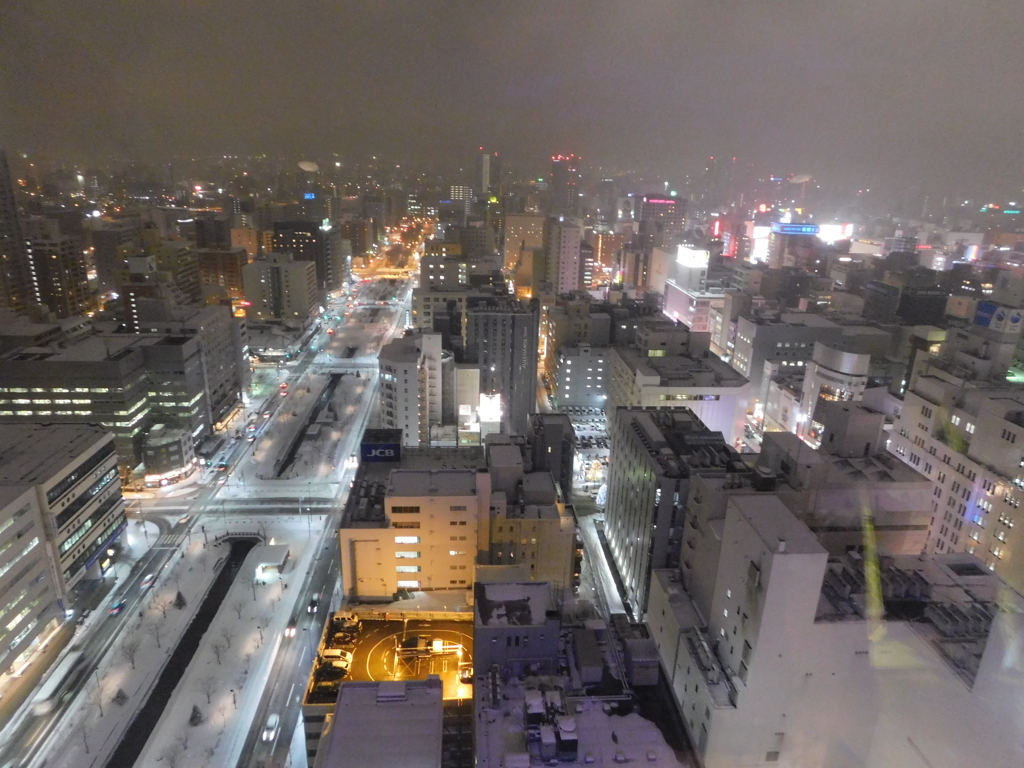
[{"x": 845, "y": 94}]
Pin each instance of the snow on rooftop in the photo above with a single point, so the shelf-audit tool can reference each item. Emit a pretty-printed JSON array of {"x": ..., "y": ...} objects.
[
  {"x": 512, "y": 604},
  {"x": 452, "y": 482},
  {"x": 603, "y": 738},
  {"x": 34, "y": 453},
  {"x": 775, "y": 523},
  {"x": 385, "y": 724}
]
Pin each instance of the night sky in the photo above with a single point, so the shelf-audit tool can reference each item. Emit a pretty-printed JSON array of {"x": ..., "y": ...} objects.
[{"x": 858, "y": 92}]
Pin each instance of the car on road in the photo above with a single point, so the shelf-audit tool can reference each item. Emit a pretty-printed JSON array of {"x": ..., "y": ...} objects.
[
  {"x": 290, "y": 629},
  {"x": 222, "y": 466},
  {"x": 148, "y": 581},
  {"x": 465, "y": 674},
  {"x": 314, "y": 603},
  {"x": 184, "y": 519},
  {"x": 117, "y": 607},
  {"x": 270, "y": 729}
]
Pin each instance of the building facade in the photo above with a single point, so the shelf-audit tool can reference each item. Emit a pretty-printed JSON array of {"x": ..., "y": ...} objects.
[{"x": 502, "y": 337}]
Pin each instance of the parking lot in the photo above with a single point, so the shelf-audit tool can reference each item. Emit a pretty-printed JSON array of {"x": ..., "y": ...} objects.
[
  {"x": 592, "y": 447},
  {"x": 399, "y": 650}
]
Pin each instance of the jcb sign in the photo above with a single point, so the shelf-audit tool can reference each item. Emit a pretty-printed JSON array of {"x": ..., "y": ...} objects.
[{"x": 381, "y": 452}]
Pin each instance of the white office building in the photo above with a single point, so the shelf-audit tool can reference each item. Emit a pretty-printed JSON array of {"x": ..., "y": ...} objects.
[{"x": 795, "y": 658}]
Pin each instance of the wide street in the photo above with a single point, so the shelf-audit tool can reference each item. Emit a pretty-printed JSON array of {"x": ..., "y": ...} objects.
[{"x": 286, "y": 452}]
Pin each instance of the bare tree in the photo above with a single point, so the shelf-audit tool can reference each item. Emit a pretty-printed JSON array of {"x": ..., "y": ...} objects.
[
  {"x": 207, "y": 686},
  {"x": 248, "y": 658},
  {"x": 238, "y": 606},
  {"x": 171, "y": 756},
  {"x": 130, "y": 650},
  {"x": 218, "y": 649},
  {"x": 83, "y": 730},
  {"x": 154, "y": 630},
  {"x": 163, "y": 605},
  {"x": 96, "y": 697},
  {"x": 182, "y": 741},
  {"x": 227, "y": 634}
]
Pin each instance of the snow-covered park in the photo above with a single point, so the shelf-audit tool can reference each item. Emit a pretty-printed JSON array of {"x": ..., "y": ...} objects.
[{"x": 208, "y": 716}]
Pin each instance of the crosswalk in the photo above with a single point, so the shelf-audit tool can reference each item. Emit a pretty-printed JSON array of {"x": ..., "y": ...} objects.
[{"x": 169, "y": 541}]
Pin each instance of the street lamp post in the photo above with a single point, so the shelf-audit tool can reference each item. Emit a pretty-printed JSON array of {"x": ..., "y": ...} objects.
[{"x": 309, "y": 641}]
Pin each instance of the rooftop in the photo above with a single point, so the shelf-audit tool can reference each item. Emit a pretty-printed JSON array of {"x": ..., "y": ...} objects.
[
  {"x": 682, "y": 370},
  {"x": 677, "y": 439},
  {"x": 518, "y": 604},
  {"x": 31, "y": 454},
  {"x": 775, "y": 524},
  {"x": 365, "y": 504},
  {"x": 405, "y": 349},
  {"x": 434, "y": 482},
  {"x": 92, "y": 349},
  {"x": 385, "y": 724},
  {"x": 951, "y": 600}
]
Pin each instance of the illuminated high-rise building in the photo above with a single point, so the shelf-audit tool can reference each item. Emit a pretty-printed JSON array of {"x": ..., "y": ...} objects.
[
  {"x": 563, "y": 255},
  {"x": 488, "y": 175},
  {"x": 321, "y": 244},
  {"x": 502, "y": 337},
  {"x": 58, "y": 278},
  {"x": 565, "y": 185},
  {"x": 13, "y": 283},
  {"x": 662, "y": 220}
]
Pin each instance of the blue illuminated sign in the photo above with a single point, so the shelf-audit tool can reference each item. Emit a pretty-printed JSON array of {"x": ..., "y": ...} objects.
[
  {"x": 310, "y": 195},
  {"x": 779, "y": 228}
]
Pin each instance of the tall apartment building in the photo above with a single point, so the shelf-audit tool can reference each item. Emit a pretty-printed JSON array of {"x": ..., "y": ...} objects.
[
  {"x": 221, "y": 269},
  {"x": 278, "y": 287},
  {"x": 655, "y": 454},
  {"x": 177, "y": 259},
  {"x": 564, "y": 187},
  {"x": 488, "y": 178},
  {"x": 662, "y": 220},
  {"x": 57, "y": 276},
  {"x": 109, "y": 239},
  {"x": 13, "y": 276},
  {"x": 523, "y": 232},
  {"x": 309, "y": 241},
  {"x": 62, "y": 481},
  {"x": 563, "y": 255},
  {"x": 411, "y": 386},
  {"x": 792, "y": 657},
  {"x": 502, "y": 337}
]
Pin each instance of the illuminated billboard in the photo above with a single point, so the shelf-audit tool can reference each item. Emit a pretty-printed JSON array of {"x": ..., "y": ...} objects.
[
  {"x": 692, "y": 257},
  {"x": 779, "y": 228},
  {"x": 833, "y": 233}
]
